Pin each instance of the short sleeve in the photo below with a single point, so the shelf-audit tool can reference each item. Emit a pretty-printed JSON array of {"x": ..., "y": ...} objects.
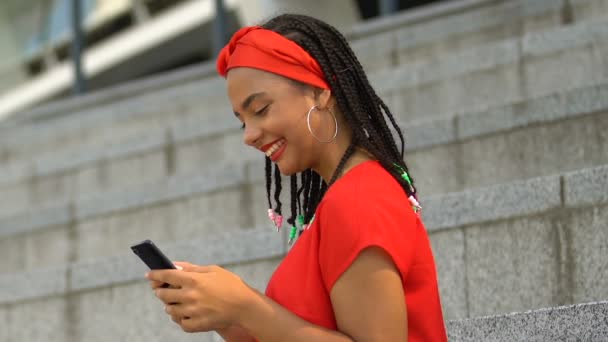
[{"x": 359, "y": 216}]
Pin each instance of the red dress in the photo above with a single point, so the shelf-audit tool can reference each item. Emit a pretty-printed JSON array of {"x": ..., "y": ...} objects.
[{"x": 366, "y": 207}]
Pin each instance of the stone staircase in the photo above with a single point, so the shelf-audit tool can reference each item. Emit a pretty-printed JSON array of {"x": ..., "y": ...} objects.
[
  {"x": 503, "y": 104},
  {"x": 583, "y": 322}
]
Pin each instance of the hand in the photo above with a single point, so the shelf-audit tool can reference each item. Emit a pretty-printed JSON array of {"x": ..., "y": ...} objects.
[
  {"x": 235, "y": 333},
  {"x": 201, "y": 298},
  {"x": 159, "y": 284}
]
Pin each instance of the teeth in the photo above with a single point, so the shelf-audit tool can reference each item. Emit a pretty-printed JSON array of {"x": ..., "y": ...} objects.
[{"x": 275, "y": 148}]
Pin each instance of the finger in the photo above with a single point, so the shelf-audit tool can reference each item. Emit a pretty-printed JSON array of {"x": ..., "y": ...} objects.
[
  {"x": 159, "y": 284},
  {"x": 175, "y": 318},
  {"x": 173, "y": 277},
  {"x": 200, "y": 268},
  {"x": 188, "y": 325},
  {"x": 155, "y": 284},
  {"x": 172, "y": 296},
  {"x": 172, "y": 311},
  {"x": 186, "y": 266},
  {"x": 195, "y": 325},
  {"x": 178, "y": 319},
  {"x": 182, "y": 264},
  {"x": 179, "y": 310}
]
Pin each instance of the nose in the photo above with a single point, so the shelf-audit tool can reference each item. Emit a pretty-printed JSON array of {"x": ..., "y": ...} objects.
[{"x": 252, "y": 135}]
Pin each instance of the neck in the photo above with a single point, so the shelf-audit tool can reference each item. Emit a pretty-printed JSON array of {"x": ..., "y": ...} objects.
[
  {"x": 332, "y": 153},
  {"x": 331, "y": 158}
]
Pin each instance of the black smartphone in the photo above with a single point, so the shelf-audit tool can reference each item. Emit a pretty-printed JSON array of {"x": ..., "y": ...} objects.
[{"x": 152, "y": 256}]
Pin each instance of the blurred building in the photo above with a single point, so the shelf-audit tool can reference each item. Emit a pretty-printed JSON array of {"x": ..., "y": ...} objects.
[{"x": 128, "y": 39}]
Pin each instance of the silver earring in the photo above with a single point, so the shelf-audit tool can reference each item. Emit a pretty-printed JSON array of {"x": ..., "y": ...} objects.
[{"x": 310, "y": 128}]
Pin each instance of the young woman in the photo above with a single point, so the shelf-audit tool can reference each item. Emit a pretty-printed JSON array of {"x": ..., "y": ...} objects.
[{"x": 362, "y": 267}]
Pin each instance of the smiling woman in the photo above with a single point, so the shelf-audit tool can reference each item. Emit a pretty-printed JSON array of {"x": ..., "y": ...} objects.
[{"x": 362, "y": 268}]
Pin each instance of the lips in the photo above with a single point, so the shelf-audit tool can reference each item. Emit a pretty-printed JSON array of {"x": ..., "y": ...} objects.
[{"x": 274, "y": 149}]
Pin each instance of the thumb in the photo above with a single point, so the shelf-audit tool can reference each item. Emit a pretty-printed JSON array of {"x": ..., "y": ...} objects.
[
  {"x": 188, "y": 267},
  {"x": 182, "y": 265}
]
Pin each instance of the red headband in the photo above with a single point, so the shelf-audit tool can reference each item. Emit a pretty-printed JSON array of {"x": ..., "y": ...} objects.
[{"x": 258, "y": 48}]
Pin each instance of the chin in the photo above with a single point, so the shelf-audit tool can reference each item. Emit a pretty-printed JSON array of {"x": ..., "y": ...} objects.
[{"x": 287, "y": 168}]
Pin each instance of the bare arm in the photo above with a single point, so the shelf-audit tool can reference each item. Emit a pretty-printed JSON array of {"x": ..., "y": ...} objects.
[
  {"x": 368, "y": 299},
  {"x": 235, "y": 334}
]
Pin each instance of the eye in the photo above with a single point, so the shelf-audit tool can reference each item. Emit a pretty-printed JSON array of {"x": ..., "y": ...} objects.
[
  {"x": 259, "y": 113},
  {"x": 263, "y": 110}
]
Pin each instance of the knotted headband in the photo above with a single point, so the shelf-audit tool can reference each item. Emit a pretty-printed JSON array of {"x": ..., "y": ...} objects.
[{"x": 259, "y": 48}]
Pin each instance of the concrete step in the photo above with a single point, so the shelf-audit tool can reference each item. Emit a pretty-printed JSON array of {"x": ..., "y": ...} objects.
[
  {"x": 523, "y": 245},
  {"x": 438, "y": 30},
  {"x": 493, "y": 73},
  {"x": 107, "y": 299},
  {"x": 559, "y": 132},
  {"x": 497, "y": 73},
  {"x": 510, "y": 247},
  {"x": 582, "y": 322},
  {"x": 430, "y": 25},
  {"x": 550, "y": 134},
  {"x": 218, "y": 200},
  {"x": 103, "y": 117}
]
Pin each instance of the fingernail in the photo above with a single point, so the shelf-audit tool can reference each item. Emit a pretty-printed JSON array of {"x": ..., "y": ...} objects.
[
  {"x": 147, "y": 275},
  {"x": 179, "y": 267}
]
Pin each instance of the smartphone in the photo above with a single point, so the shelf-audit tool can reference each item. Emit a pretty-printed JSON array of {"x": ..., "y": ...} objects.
[{"x": 152, "y": 256}]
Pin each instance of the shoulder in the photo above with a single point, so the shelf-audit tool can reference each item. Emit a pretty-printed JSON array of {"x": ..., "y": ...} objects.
[
  {"x": 367, "y": 208},
  {"x": 366, "y": 186},
  {"x": 366, "y": 200}
]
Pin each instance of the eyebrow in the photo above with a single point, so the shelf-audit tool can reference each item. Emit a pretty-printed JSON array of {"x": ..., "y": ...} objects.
[{"x": 248, "y": 101}]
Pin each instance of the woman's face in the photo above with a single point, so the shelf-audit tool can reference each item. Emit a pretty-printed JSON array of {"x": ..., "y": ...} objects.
[{"x": 273, "y": 111}]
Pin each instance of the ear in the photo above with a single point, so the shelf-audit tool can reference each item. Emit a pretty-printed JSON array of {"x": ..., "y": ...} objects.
[{"x": 323, "y": 97}]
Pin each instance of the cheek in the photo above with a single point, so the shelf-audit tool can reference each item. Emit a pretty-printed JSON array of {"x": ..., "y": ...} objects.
[
  {"x": 289, "y": 126},
  {"x": 300, "y": 138},
  {"x": 290, "y": 123},
  {"x": 304, "y": 149}
]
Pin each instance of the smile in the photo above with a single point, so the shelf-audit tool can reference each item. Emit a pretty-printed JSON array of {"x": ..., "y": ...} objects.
[{"x": 275, "y": 151}]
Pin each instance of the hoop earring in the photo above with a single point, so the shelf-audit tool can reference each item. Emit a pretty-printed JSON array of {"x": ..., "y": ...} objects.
[{"x": 310, "y": 128}]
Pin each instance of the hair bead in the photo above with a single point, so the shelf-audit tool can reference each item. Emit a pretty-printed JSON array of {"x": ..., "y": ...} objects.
[{"x": 292, "y": 234}]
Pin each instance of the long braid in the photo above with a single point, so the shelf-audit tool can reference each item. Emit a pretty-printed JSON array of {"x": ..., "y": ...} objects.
[
  {"x": 277, "y": 190},
  {"x": 364, "y": 82},
  {"x": 344, "y": 58},
  {"x": 315, "y": 187},
  {"x": 365, "y": 113},
  {"x": 395, "y": 125},
  {"x": 294, "y": 198},
  {"x": 302, "y": 188},
  {"x": 268, "y": 169},
  {"x": 349, "y": 152},
  {"x": 307, "y": 187}
]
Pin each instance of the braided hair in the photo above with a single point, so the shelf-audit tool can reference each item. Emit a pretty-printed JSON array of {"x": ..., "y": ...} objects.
[{"x": 362, "y": 108}]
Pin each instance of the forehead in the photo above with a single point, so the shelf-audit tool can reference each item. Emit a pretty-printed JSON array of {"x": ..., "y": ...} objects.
[{"x": 242, "y": 82}]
